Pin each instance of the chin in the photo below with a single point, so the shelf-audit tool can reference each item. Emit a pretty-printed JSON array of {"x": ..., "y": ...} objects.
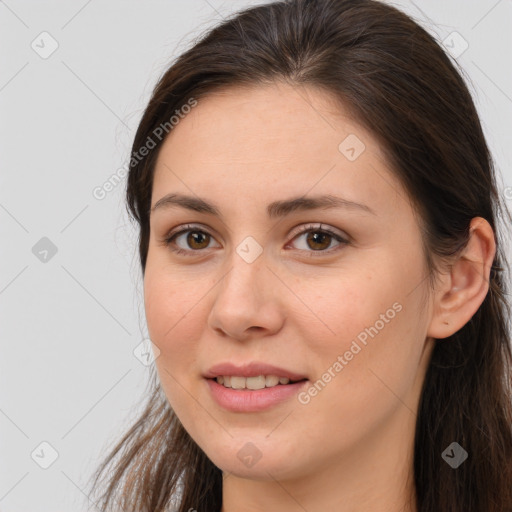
[{"x": 244, "y": 459}]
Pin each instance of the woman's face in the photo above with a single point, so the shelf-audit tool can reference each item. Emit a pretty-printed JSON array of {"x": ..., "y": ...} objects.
[{"x": 272, "y": 286}]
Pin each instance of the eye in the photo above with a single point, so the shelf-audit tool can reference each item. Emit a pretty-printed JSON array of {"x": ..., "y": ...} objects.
[
  {"x": 319, "y": 239},
  {"x": 196, "y": 238}
]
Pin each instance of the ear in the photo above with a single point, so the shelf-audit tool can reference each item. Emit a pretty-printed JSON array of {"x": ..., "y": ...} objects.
[{"x": 464, "y": 289}]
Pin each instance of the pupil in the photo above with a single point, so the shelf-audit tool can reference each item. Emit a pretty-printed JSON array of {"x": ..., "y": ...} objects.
[
  {"x": 314, "y": 238},
  {"x": 194, "y": 236}
]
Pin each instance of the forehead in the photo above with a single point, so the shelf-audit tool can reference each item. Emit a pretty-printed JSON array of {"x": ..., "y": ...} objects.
[
  {"x": 255, "y": 115},
  {"x": 266, "y": 140}
]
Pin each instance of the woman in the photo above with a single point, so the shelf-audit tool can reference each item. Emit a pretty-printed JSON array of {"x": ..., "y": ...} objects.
[{"x": 322, "y": 275}]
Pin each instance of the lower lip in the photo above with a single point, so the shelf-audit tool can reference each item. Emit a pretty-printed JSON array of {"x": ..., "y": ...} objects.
[{"x": 249, "y": 400}]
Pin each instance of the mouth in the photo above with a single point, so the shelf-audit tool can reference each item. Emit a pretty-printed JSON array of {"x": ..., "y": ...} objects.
[
  {"x": 256, "y": 373},
  {"x": 241, "y": 383},
  {"x": 240, "y": 394},
  {"x": 252, "y": 386}
]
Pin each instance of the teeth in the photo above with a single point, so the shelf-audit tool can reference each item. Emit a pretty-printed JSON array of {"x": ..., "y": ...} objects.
[
  {"x": 271, "y": 380},
  {"x": 237, "y": 382},
  {"x": 259, "y": 382}
]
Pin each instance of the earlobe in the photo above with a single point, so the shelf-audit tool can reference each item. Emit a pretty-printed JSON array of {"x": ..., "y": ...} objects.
[{"x": 465, "y": 287}]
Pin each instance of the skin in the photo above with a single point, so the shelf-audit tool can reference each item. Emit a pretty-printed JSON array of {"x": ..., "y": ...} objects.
[{"x": 351, "y": 447}]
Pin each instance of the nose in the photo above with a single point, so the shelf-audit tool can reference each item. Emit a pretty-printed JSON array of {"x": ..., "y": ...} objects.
[{"x": 247, "y": 301}]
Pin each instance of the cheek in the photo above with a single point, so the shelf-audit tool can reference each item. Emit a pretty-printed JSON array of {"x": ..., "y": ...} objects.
[
  {"x": 338, "y": 311},
  {"x": 172, "y": 307},
  {"x": 369, "y": 320},
  {"x": 173, "y": 326}
]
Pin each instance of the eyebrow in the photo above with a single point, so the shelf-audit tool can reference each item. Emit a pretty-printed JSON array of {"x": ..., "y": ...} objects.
[{"x": 274, "y": 210}]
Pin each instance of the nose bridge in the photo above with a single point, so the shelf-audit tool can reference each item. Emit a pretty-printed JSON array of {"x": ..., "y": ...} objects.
[
  {"x": 247, "y": 265},
  {"x": 244, "y": 299}
]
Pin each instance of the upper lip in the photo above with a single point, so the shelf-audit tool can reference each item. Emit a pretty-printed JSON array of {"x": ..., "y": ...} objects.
[{"x": 252, "y": 369}]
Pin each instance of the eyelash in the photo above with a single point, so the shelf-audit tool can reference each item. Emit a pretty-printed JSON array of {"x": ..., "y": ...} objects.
[{"x": 315, "y": 228}]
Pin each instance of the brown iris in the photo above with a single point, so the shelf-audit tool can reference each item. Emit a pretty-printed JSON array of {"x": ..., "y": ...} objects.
[
  {"x": 318, "y": 239},
  {"x": 198, "y": 237}
]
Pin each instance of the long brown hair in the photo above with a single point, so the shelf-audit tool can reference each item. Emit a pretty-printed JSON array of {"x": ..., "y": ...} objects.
[{"x": 400, "y": 85}]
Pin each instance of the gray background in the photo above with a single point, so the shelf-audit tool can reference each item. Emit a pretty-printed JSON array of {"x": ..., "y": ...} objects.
[{"x": 71, "y": 320}]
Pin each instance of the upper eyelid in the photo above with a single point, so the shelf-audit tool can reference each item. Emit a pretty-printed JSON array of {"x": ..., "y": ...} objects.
[
  {"x": 298, "y": 230},
  {"x": 180, "y": 230},
  {"x": 318, "y": 226}
]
